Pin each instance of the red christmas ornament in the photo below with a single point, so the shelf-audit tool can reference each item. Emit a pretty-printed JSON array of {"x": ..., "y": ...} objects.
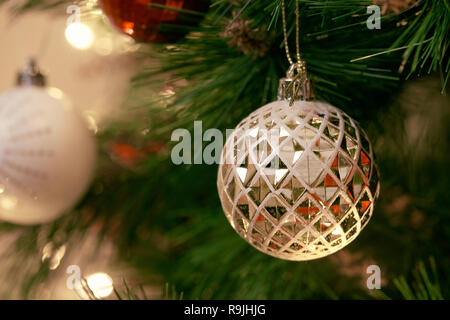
[
  {"x": 149, "y": 21},
  {"x": 129, "y": 156},
  {"x": 126, "y": 154}
]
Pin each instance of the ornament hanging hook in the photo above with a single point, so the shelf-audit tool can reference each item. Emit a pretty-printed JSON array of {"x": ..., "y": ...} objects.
[
  {"x": 294, "y": 86},
  {"x": 299, "y": 66},
  {"x": 30, "y": 75}
]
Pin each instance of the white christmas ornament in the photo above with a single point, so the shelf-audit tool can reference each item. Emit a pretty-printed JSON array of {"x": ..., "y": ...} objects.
[
  {"x": 298, "y": 182},
  {"x": 47, "y": 155}
]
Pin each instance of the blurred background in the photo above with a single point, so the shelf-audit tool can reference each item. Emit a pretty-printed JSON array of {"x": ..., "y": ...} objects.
[{"x": 146, "y": 228}]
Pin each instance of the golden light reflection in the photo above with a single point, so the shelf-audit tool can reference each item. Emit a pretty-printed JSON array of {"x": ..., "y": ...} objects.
[
  {"x": 79, "y": 35},
  {"x": 8, "y": 202},
  {"x": 100, "y": 284}
]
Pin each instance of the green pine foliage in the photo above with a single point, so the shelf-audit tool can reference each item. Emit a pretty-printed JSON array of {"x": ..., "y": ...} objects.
[
  {"x": 168, "y": 219},
  {"x": 426, "y": 284},
  {"x": 423, "y": 284}
]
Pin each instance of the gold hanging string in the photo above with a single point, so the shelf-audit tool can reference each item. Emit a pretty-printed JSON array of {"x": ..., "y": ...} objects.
[
  {"x": 297, "y": 31},
  {"x": 286, "y": 47},
  {"x": 299, "y": 65},
  {"x": 297, "y": 34}
]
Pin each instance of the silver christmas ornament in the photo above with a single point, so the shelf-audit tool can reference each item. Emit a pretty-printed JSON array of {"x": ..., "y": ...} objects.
[{"x": 297, "y": 178}]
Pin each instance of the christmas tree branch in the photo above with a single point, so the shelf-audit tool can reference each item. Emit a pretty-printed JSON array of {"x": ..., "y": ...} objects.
[{"x": 231, "y": 65}]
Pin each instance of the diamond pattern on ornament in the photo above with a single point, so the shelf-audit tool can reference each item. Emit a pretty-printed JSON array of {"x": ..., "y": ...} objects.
[{"x": 299, "y": 182}]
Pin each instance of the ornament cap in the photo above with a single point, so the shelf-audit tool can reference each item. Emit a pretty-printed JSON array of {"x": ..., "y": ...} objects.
[
  {"x": 30, "y": 75},
  {"x": 296, "y": 87}
]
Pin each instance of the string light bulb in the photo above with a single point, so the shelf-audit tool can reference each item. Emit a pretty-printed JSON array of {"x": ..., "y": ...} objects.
[
  {"x": 100, "y": 284},
  {"x": 79, "y": 35}
]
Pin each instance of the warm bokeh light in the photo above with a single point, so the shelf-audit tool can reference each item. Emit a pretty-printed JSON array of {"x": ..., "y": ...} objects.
[
  {"x": 79, "y": 35},
  {"x": 8, "y": 202},
  {"x": 53, "y": 254},
  {"x": 100, "y": 284}
]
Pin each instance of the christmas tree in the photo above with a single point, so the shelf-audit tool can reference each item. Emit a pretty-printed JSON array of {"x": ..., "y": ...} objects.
[{"x": 157, "y": 225}]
